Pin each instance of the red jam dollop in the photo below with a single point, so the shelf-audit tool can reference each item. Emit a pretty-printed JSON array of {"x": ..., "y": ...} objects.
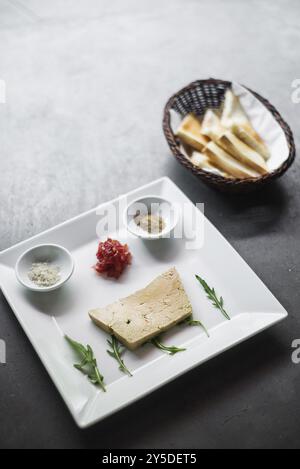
[{"x": 113, "y": 257}]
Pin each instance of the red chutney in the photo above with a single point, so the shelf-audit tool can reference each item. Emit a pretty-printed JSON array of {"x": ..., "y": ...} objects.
[{"x": 113, "y": 257}]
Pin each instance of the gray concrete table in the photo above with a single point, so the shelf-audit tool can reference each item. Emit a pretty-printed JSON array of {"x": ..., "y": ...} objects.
[{"x": 86, "y": 82}]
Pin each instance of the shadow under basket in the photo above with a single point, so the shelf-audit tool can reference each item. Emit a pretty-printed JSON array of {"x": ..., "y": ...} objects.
[{"x": 197, "y": 98}]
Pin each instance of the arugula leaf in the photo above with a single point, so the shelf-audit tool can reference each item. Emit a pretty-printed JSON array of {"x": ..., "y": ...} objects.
[
  {"x": 193, "y": 322},
  {"x": 170, "y": 350},
  {"x": 212, "y": 296},
  {"x": 88, "y": 364},
  {"x": 116, "y": 353}
]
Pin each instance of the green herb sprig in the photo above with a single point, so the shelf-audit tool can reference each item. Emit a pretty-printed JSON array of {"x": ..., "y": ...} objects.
[
  {"x": 212, "y": 296},
  {"x": 193, "y": 322},
  {"x": 170, "y": 350},
  {"x": 116, "y": 352},
  {"x": 88, "y": 364}
]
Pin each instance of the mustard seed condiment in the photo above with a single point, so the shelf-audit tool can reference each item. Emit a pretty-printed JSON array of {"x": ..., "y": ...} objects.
[{"x": 153, "y": 224}]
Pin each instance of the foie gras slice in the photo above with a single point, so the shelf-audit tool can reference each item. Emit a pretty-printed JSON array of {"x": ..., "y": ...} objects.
[
  {"x": 189, "y": 132},
  {"x": 148, "y": 312}
]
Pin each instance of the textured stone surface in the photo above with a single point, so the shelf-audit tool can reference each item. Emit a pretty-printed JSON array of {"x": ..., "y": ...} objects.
[{"x": 86, "y": 84}]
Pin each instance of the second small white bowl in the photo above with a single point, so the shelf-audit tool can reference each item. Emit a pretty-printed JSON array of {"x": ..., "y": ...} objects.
[
  {"x": 153, "y": 205},
  {"x": 50, "y": 253}
]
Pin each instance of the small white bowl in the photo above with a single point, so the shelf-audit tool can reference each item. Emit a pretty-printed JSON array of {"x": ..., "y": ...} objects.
[
  {"x": 51, "y": 253},
  {"x": 156, "y": 206}
]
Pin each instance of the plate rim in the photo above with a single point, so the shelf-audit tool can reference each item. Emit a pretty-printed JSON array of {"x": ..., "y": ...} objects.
[{"x": 85, "y": 418}]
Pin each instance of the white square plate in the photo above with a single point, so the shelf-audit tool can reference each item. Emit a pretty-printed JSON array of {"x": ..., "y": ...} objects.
[{"x": 46, "y": 317}]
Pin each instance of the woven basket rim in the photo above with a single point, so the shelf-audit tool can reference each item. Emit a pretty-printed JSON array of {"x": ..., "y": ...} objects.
[{"x": 216, "y": 179}]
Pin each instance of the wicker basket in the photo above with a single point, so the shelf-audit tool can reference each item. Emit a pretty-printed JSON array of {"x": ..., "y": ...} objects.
[{"x": 198, "y": 97}]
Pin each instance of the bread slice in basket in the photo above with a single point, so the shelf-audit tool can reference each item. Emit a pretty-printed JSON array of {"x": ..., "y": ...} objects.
[
  {"x": 256, "y": 144},
  {"x": 189, "y": 132},
  {"x": 242, "y": 152},
  {"x": 211, "y": 125},
  {"x": 225, "y": 162}
]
